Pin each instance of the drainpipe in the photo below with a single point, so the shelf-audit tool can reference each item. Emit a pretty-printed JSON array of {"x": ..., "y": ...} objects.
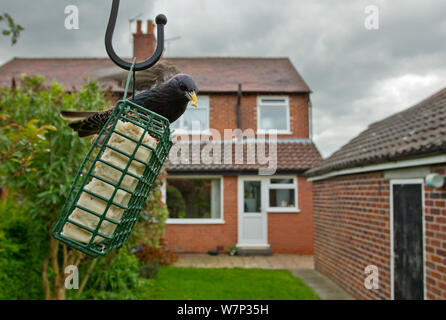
[{"x": 239, "y": 116}]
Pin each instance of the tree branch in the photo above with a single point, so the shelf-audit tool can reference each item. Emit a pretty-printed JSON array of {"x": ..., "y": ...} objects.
[
  {"x": 85, "y": 279},
  {"x": 54, "y": 248},
  {"x": 45, "y": 283}
]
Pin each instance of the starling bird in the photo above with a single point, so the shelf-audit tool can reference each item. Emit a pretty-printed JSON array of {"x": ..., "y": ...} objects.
[{"x": 168, "y": 99}]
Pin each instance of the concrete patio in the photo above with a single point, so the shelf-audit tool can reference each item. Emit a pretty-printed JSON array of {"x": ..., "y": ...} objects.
[{"x": 276, "y": 261}]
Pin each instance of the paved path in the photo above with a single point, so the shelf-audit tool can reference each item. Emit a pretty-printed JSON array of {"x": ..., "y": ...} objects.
[
  {"x": 276, "y": 261},
  {"x": 324, "y": 287}
]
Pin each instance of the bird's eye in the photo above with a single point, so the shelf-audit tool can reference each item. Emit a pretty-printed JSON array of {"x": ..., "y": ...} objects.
[{"x": 183, "y": 87}]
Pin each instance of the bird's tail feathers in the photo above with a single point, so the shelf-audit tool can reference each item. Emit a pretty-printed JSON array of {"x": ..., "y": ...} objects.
[
  {"x": 82, "y": 129},
  {"x": 80, "y": 121},
  {"x": 76, "y": 115}
]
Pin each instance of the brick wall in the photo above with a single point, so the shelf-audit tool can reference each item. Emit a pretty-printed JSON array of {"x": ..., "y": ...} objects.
[
  {"x": 144, "y": 44},
  {"x": 351, "y": 222},
  {"x": 287, "y": 232},
  {"x": 435, "y": 233},
  {"x": 223, "y": 114},
  {"x": 293, "y": 232},
  {"x": 352, "y": 230}
]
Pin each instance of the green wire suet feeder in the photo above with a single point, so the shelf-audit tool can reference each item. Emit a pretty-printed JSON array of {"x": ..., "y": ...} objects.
[{"x": 113, "y": 182}]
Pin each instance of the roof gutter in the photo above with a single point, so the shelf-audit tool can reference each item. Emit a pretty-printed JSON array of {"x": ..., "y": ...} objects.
[
  {"x": 233, "y": 172},
  {"x": 383, "y": 166}
]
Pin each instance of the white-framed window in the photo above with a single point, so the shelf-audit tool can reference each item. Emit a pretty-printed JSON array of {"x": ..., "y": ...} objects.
[
  {"x": 282, "y": 194},
  {"x": 194, "y": 119},
  {"x": 273, "y": 113},
  {"x": 194, "y": 199}
]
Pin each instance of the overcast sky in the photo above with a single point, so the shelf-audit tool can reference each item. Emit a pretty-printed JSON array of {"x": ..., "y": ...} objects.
[{"x": 357, "y": 75}]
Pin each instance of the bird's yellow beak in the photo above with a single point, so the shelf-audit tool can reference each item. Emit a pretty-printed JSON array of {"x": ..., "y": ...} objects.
[{"x": 193, "y": 97}]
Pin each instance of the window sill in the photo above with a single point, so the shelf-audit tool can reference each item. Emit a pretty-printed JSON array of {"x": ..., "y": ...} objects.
[
  {"x": 195, "y": 221},
  {"x": 180, "y": 132},
  {"x": 278, "y": 132},
  {"x": 283, "y": 210}
]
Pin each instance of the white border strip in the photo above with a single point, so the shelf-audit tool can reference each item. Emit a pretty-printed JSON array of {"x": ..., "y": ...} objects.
[{"x": 382, "y": 166}]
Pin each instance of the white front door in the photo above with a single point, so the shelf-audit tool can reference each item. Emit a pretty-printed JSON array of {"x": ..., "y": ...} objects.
[{"x": 252, "y": 217}]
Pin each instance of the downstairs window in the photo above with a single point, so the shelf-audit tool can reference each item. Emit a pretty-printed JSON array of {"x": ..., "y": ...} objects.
[
  {"x": 194, "y": 198},
  {"x": 282, "y": 194}
]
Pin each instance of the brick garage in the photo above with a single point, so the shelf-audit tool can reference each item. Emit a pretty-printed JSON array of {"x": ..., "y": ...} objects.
[
  {"x": 435, "y": 233},
  {"x": 352, "y": 230},
  {"x": 355, "y": 204}
]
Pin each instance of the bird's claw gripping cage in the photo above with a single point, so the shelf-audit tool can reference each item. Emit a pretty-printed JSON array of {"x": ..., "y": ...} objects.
[{"x": 98, "y": 242}]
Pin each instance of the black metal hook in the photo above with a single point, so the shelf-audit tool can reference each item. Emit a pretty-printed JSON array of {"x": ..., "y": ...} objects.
[{"x": 160, "y": 20}]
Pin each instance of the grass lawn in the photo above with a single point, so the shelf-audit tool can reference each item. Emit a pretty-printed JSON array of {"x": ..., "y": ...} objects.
[{"x": 174, "y": 283}]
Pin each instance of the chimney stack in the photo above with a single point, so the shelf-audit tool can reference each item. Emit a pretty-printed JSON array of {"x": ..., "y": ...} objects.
[{"x": 144, "y": 44}]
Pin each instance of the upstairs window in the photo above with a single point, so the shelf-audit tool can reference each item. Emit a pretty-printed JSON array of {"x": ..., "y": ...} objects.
[
  {"x": 273, "y": 114},
  {"x": 194, "y": 119}
]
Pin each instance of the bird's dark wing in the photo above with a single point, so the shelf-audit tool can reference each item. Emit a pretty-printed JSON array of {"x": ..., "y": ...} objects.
[
  {"x": 145, "y": 79},
  {"x": 152, "y": 100},
  {"x": 142, "y": 97},
  {"x": 156, "y": 75}
]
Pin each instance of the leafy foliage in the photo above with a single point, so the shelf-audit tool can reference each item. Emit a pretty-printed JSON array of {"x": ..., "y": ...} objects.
[
  {"x": 20, "y": 144},
  {"x": 119, "y": 280},
  {"x": 22, "y": 246},
  {"x": 152, "y": 221},
  {"x": 13, "y": 28},
  {"x": 175, "y": 202},
  {"x": 150, "y": 269},
  {"x": 162, "y": 255},
  {"x": 40, "y": 153},
  {"x": 39, "y": 158}
]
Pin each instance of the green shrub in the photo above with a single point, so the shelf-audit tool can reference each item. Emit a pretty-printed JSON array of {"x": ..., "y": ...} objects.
[
  {"x": 150, "y": 269},
  {"x": 175, "y": 202},
  {"x": 163, "y": 255},
  {"x": 22, "y": 247},
  {"x": 118, "y": 280},
  {"x": 39, "y": 158}
]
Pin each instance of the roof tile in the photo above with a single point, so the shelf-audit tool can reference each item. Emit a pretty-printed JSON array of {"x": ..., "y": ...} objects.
[
  {"x": 291, "y": 156},
  {"x": 418, "y": 130},
  {"x": 212, "y": 74}
]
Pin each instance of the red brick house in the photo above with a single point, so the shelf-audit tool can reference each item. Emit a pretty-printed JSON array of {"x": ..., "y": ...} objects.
[
  {"x": 375, "y": 205},
  {"x": 223, "y": 203}
]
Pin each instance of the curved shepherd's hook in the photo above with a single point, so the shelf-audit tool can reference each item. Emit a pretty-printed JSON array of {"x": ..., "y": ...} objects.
[{"x": 160, "y": 20}]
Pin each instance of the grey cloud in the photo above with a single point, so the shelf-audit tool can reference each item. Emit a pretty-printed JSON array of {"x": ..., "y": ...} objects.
[{"x": 344, "y": 64}]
